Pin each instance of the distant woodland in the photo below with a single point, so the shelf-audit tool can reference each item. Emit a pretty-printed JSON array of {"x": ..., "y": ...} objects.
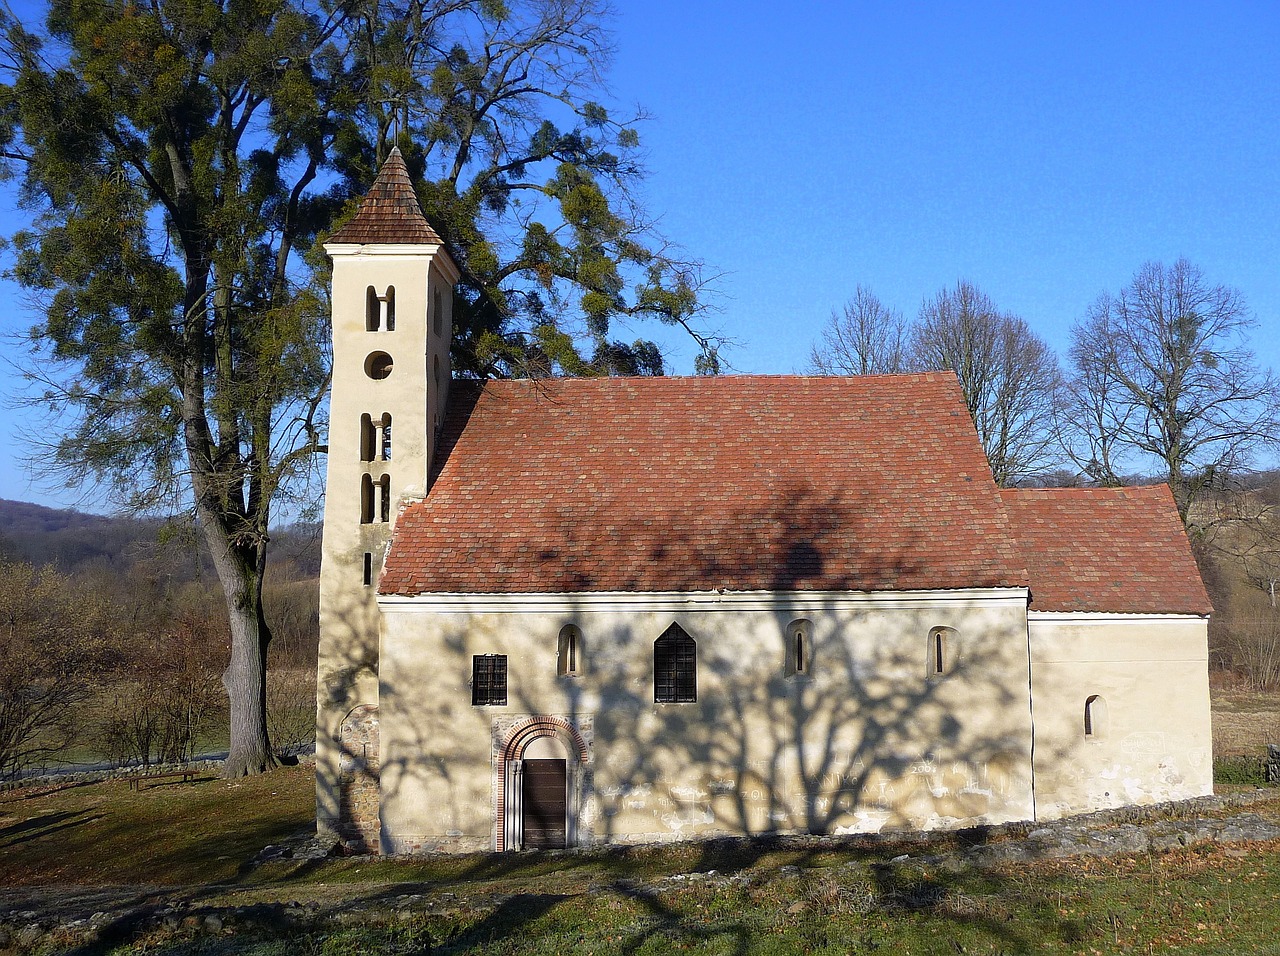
[{"x": 122, "y": 623}]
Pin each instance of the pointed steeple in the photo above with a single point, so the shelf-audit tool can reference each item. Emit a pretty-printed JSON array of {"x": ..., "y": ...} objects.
[{"x": 389, "y": 213}]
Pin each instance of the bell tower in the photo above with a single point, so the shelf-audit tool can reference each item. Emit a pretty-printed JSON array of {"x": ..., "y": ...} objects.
[{"x": 392, "y": 325}]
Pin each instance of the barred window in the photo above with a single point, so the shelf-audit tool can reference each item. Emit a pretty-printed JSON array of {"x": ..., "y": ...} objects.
[
  {"x": 489, "y": 680},
  {"x": 675, "y": 667}
]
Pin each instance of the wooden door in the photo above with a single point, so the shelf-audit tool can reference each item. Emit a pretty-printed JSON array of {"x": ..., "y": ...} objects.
[{"x": 543, "y": 799}]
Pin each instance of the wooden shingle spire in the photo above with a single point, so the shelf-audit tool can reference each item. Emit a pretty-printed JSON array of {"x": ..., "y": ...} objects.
[{"x": 389, "y": 212}]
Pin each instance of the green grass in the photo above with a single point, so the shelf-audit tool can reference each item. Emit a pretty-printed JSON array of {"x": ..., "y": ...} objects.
[
  {"x": 167, "y": 833},
  {"x": 762, "y": 899}
]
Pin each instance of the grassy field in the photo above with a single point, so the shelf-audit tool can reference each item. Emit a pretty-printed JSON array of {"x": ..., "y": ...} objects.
[{"x": 731, "y": 898}]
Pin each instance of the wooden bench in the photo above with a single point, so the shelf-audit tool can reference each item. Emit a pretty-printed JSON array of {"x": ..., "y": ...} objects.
[{"x": 136, "y": 782}]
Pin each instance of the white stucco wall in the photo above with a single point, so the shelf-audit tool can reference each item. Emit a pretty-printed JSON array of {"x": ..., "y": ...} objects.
[
  {"x": 1155, "y": 743},
  {"x": 867, "y": 741}
]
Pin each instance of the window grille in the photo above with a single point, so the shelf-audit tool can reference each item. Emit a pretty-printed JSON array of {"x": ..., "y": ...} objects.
[
  {"x": 489, "y": 680},
  {"x": 675, "y": 667}
]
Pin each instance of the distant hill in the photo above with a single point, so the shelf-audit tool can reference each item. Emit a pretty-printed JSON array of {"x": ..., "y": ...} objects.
[{"x": 75, "y": 542}]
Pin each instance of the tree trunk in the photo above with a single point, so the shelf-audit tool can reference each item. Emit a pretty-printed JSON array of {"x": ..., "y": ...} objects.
[
  {"x": 239, "y": 570},
  {"x": 245, "y": 678}
]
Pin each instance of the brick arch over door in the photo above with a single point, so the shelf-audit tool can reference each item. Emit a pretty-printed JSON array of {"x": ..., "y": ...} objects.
[{"x": 518, "y": 739}]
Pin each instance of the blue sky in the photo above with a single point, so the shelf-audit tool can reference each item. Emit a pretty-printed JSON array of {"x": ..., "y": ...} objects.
[{"x": 1043, "y": 151}]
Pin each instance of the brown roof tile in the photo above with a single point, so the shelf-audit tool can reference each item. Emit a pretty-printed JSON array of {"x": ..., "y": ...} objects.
[
  {"x": 390, "y": 211},
  {"x": 747, "y": 483},
  {"x": 1121, "y": 550}
]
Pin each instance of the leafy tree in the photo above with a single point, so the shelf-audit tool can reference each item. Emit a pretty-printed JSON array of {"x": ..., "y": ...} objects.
[
  {"x": 181, "y": 160},
  {"x": 1162, "y": 373},
  {"x": 1008, "y": 374},
  {"x": 864, "y": 338}
]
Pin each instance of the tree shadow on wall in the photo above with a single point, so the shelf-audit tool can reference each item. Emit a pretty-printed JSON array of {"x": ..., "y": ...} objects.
[{"x": 865, "y": 739}]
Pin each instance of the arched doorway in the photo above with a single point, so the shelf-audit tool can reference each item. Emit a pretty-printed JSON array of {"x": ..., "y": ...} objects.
[
  {"x": 544, "y": 797},
  {"x": 542, "y": 771}
]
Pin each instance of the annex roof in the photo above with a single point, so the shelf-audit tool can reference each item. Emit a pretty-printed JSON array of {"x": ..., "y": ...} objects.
[
  {"x": 747, "y": 483},
  {"x": 1120, "y": 550},
  {"x": 389, "y": 212}
]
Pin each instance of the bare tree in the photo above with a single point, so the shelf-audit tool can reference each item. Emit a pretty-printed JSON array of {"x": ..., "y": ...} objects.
[
  {"x": 1008, "y": 374},
  {"x": 1166, "y": 376},
  {"x": 52, "y": 639},
  {"x": 864, "y": 338}
]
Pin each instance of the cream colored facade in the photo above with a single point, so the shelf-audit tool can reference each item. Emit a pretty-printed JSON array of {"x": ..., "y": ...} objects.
[
  {"x": 392, "y": 314},
  {"x": 1144, "y": 681},
  {"x": 867, "y": 738}
]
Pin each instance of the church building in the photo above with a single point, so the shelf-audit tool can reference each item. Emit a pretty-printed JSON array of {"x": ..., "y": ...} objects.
[{"x": 619, "y": 610}]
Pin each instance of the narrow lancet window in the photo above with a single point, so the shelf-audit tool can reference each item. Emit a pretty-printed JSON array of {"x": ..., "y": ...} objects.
[
  {"x": 368, "y": 568},
  {"x": 385, "y": 430},
  {"x": 569, "y": 652},
  {"x": 384, "y": 498},
  {"x": 941, "y": 652},
  {"x": 799, "y": 648}
]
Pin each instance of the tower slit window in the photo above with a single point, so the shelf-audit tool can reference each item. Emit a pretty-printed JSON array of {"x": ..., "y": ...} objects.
[
  {"x": 384, "y": 498},
  {"x": 366, "y": 499},
  {"x": 366, "y": 438}
]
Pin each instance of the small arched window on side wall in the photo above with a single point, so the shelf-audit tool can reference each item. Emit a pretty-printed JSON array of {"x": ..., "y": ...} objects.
[
  {"x": 941, "y": 652},
  {"x": 569, "y": 651},
  {"x": 799, "y": 648},
  {"x": 1095, "y": 717}
]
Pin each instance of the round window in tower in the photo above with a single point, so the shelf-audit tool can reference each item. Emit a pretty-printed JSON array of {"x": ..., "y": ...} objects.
[{"x": 378, "y": 365}]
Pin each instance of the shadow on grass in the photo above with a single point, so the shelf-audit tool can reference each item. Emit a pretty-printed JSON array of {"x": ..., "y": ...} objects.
[{"x": 44, "y": 825}]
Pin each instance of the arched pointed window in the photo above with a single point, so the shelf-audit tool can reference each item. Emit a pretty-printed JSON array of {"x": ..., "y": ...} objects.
[
  {"x": 675, "y": 667},
  {"x": 569, "y": 651}
]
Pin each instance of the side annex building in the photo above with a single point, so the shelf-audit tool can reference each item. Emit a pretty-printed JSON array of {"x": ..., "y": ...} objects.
[{"x": 566, "y": 612}]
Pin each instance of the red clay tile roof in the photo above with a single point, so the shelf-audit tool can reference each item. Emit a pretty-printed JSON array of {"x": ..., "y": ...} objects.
[
  {"x": 390, "y": 211},
  {"x": 1121, "y": 550},
  {"x": 746, "y": 483}
]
